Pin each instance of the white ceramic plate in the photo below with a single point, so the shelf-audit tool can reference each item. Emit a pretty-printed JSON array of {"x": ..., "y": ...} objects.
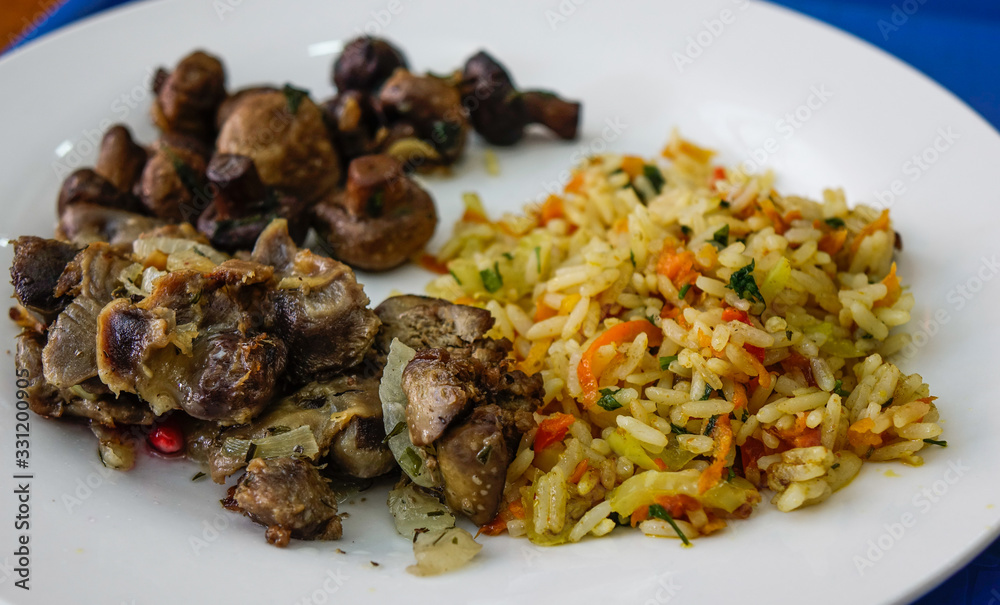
[{"x": 726, "y": 73}]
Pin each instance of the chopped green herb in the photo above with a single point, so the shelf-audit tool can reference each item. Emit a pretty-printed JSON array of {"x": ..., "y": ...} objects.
[
  {"x": 720, "y": 238},
  {"x": 743, "y": 283},
  {"x": 492, "y": 279},
  {"x": 723, "y": 204},
  {"x": 608, "y": 401},
  {"x": 835, "y": 466},
  {"x": 631, "y": 257},
  {"x": 445, "y": 134},
  {"x": 658, "y": 512},
  {"x": 788, "y": 334},
  {"x": 375, "y": 204},
  {"x": 678, "y": 430},
  {"x": 483, "y": 456},
  {"x": 888, "y": 402},
  {"x": 435, "y": 513},
  {"x": 684, "y": 290},
  {"x": 411, "y": 460},
  {"x": 197, "y": 476},
  {"x": 710, "y": 425},
  {"x": 731, "y": 474},
  {"x": 620, "y": 520},
  {"x": 936, "y": 442},
  {"x": 655, "y": 177},
  {"x": 745, "y": 416},
  {"x": 294, "y": 97},
  {"x": 538, "y": 257},
  {"x": 399, "y": 428},
  {"x": 834, "y": 222},
  {"x": 838, "y": 390},
  {"x": 871, "y": 450},
  {"x": 707, "y": 393},
  {"x": 189, "y": 178},
  {"x": 666, "y": 361},
  {"x": 457, "y": 281},
  {"x": 867, "y": 336},
  {"x": 508, "y": 255},
  {"x": 199, "y": 252},
  {"x": 685, "y": 230}
]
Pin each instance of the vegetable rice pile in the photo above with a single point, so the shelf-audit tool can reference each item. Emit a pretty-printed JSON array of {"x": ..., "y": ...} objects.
[{"x": 701, "y": 337}]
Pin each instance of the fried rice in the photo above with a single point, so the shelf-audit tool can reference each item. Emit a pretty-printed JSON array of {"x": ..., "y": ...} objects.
[{"x": 702, "y": 339}]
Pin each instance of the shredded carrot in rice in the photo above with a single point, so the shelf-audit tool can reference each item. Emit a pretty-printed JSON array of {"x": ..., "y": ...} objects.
[{"x": 723, "y": 434}]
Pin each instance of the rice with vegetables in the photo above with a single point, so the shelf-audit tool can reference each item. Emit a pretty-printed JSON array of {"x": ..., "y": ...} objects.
[{"x": 701, "y": 338}]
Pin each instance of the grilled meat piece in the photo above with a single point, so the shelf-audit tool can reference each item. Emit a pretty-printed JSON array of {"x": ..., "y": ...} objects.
[
  {"x": 69, "y": 357},
  {"x": 345, "y": 416},
  {"x": 290, "y": 498},
  {"x": 473, "y": 459},
  {"x": 422, "y": 322},
  {"x": 199, "y": 342},
  {"x": 85, "y": 223},
  {"x": 36, "y": 268},
  {"x": 90, "y": 399},
  {"x": 283, "y": 132},
  {"x": 318, "y": 303},
  {"x": 188, "y": 97}
]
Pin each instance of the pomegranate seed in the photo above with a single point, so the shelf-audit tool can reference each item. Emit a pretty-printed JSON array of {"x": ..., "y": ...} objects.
[{"x": 167, "y": 439}]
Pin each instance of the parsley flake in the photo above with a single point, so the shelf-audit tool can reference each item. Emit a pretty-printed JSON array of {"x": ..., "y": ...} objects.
[
  {"x": 743, "y": 283},
  {"x": 492, "y": 280},
  {"x": 608, "y": 401},
  {"x": 658, "y": 512}
]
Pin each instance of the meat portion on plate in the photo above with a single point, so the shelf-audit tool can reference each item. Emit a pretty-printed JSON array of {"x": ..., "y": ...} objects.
[{"x": 290, "y": 497}]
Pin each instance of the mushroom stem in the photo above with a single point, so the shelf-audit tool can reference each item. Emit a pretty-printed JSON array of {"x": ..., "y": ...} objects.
[{"x": 558, "y": 115}]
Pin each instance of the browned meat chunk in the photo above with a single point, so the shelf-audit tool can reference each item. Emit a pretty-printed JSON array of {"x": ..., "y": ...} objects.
[
  {"x": 120, "y": 159},
  {"x": 345, "y": 416},
  {"x": 69, "y": 357},
  {"x": 187, "y": 98},
  {"x": 472, "y": 449},
  {"x": 381, "y": 220},
  {"x": 90, "y": 399},
  {"x": 283, "y": 132},
  {"x": 473, "y": 459},
  {"x": 365, "y": 63},
  {"x": 86, "y": 223},
  {"x": 421, "y": 322},
  {"x": 439, "y": 388},
  {"x": 173, "y": 181},
  {"x": 36, "y": 268},
  {"x": 318, "y": 303},
  {"x": 242, "y": 207},
  {"x": 197, "y": 342},
  {"x": 290, "y": 498},
  {"x": 85, "y": 186},
  {"x": 433, "y": 107}
]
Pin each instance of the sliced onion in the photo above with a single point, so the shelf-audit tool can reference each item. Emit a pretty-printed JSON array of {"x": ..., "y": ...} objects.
[
  {"x": 442, "y": 550},
  {"x": 412, "y": 459}
]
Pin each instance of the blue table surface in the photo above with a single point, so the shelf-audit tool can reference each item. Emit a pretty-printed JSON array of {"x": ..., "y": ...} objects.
[{"x": 956, "y": 43}]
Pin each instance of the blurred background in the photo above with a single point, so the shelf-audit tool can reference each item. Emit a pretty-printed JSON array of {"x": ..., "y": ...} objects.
[{"x": 955, "y": 42}]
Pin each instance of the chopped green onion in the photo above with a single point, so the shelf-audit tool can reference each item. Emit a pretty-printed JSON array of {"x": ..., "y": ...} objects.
[
  {"x": 685, "y": 230},
  {"x": 721, "y": 237},
  {"x": 492, "y": 280},
  {"x": 608, "y": 401},
  {"x": 836, "y": 465},
  {"x": 838, "y": 390},
  {"x": 743, "y": 283},
  {"x": 458, "y": 281},
  {"x": 631, "y": 257},
  {"x": 399, "y": 428},
  {"x": 657, "y": 511},
  {"x": 684, "y": 290},
  {"x": 293, "y": 97},
  {"x": 710, "y": 425},
  {"x": 666, "y": 361},
  {"x": 678, "y": 430},
  {"x": 936, "y": 442},
  {"x": 655, "y": 177},
  {"x": 834, "y": 222},
  {"x": 707, "y": 393},
  {"x": 375, "y": 204}
]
